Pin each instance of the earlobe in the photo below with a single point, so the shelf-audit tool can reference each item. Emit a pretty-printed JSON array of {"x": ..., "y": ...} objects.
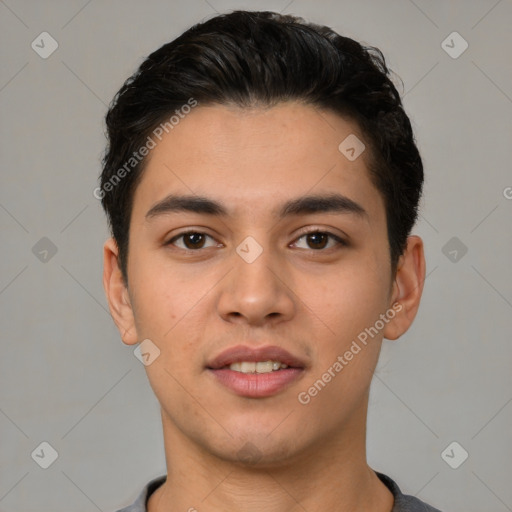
[
  {"x": 407, "y": 288},
  {"x": 117, "y": 293}
]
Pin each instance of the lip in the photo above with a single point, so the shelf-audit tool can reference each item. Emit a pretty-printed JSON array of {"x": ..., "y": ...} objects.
[
  {"x": 256, "y": 385},
  {"x": 251, "y": 354}
]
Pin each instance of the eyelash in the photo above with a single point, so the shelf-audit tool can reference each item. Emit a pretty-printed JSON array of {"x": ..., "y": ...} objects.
[{"x": 339, "y": 240}]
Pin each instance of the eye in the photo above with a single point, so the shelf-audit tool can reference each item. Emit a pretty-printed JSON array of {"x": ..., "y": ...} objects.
[
  {"x": 318, "y": 240},
  {"x": 192, "y": 240}
]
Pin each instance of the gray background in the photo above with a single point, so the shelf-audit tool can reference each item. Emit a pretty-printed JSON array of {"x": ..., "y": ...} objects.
[{"x": 65, "y": 376}]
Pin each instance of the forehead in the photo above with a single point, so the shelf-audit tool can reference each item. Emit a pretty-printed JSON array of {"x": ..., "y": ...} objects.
[{"x": 255, "y": 158}]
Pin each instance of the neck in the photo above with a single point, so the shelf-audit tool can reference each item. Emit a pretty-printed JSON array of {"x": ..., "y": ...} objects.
[{"x": 332, "y": 474}]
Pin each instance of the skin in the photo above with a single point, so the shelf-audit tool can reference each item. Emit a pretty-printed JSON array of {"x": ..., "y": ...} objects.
[{"x": 312, "y": 298}]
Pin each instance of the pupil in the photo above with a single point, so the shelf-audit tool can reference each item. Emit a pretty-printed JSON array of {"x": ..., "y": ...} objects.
[
  {"x": 315, "y": 237},
  {"x": 195, "y": 239}
]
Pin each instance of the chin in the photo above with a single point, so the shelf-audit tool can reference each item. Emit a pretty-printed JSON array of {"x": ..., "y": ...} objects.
[{"x": 258, "y": 451}]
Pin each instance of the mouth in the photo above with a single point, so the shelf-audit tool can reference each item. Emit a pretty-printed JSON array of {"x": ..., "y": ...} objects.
[
  {"x": 256, "y": 372},
  {"x": 256, "y": 367}
]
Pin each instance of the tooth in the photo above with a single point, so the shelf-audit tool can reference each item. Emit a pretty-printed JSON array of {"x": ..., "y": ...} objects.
[
  {"x": 247, "y": 367},
  {"x": 257, "y": 367},
  {"x": 264, "y": 367}
]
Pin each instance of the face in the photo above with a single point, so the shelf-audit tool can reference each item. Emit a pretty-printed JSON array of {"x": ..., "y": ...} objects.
[{"x": 285, "y": 259}]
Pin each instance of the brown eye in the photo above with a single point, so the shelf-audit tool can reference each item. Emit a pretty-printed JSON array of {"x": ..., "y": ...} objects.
[
  {"x": 318, "y": 240},
  {"x": 191, "y": 240}
]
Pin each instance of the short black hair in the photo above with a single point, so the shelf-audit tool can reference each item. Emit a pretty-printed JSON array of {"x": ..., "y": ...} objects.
[{"x": 247, "y": 59}]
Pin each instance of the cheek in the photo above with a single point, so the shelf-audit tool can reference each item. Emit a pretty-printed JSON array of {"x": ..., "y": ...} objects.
[
  {"x": 170, "y": 310},
  {"x": 348, "y": 305},
  {"x": 161, "y": 295},
  {"x": 156, "y": 308},
  {"x": 348, "y": 299}
]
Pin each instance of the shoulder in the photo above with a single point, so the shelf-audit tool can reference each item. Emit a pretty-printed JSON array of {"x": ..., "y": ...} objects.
[
  {"x": 404, "y": 502},
  {"x": 139, "y": 505}
]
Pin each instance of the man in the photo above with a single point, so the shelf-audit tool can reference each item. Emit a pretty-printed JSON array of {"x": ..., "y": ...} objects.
[{"x": 261, "y": 183}]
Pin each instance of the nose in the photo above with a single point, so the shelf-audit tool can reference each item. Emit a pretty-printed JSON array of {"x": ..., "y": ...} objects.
[{"x": 257, "y": 292}]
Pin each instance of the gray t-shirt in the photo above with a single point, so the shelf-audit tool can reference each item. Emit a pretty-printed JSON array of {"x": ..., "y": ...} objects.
[{"x": 403, "y": 502}]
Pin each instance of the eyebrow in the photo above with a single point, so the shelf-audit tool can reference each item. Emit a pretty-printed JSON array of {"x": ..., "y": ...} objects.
[{"x": 330, "y": 203}]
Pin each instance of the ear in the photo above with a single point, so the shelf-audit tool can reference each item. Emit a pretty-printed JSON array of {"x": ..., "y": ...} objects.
[
  {"x": 117, "y": 293},
  {"x": 407, "y": 288}
]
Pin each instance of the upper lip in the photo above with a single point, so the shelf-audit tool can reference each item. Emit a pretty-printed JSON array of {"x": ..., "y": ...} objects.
[{"x": 245, "y": 353}]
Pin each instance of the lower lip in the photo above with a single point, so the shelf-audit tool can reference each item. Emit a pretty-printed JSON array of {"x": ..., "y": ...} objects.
[{"x": 257, "y": 385}]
